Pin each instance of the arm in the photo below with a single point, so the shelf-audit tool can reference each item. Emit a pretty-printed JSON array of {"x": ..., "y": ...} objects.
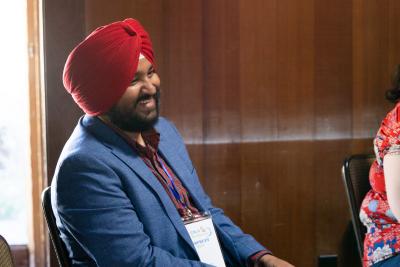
[
  {"x": 391, "y": 168},
  {"x": 94, "y": 209}
]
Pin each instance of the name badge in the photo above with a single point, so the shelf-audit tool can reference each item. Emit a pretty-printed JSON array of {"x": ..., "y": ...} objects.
[{"x": 202, "y": 232}]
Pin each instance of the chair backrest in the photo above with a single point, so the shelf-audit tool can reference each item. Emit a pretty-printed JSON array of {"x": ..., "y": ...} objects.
[
  {"x": 6, "y": 258},
  {"x": 58, "y": 244},
  {"x": 355, "y": 173}
]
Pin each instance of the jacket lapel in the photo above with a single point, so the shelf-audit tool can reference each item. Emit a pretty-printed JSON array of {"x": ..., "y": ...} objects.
[
  {"x": 126, "y": 154},
  {"x": 168, "y": 151}
]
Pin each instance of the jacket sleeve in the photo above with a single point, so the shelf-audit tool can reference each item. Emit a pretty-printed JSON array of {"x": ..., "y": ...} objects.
[
  {"x": 240, "y": 245},
  {"x": 93, "y": 208}
]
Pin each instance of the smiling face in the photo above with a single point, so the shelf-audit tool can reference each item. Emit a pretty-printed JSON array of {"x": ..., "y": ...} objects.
[{"x": 138, "y": 108}]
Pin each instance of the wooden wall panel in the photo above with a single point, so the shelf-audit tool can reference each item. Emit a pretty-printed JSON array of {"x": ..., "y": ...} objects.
[
  {"x": 276, "y": 70},
  {"x": 258, "y": 70},
  {"x": 278, "y": 200},
  {"x": 333, "y": 69},
  {"x": 182, "y": 71},
  {"x": 63, "y": 28},
  {"x": 270, "y": 96},
  {"x": 221, "y": 71},
  {"x": 374, "y": 59},
  {"x": 295, "y": 74}
]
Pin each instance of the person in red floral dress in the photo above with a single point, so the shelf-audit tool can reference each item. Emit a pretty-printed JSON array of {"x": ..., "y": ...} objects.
[{"x": 380, "y": 209}]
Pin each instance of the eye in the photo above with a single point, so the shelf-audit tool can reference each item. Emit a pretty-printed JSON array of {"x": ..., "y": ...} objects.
[
  {"x": 151, "y": 72},
  {"x": 134, "y": 81}
]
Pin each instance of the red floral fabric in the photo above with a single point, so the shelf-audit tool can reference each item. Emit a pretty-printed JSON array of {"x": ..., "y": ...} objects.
[{"x": 383, "y": 230}]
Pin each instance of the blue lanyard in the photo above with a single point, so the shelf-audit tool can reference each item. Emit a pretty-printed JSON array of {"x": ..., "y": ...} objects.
[{"x": 172, "y": 187}]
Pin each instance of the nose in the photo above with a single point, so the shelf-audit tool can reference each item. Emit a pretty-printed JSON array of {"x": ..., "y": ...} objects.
[
  {"x": 149, "y": 87},
  {"x": 150, "y": 84}
]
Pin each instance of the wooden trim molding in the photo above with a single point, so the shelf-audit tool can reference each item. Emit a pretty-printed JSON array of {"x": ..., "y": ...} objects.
[{"x": 38, "y": 240}]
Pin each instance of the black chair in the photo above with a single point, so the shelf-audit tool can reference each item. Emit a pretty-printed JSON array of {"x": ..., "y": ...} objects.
[
  {"x": 355, "y": 173},
  {"x": 6, "y": 258},
  {"x": 58, "y": 244}
]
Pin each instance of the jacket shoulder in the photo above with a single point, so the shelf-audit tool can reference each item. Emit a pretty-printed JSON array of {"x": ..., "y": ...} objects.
[{"x": 167, "y": 128}]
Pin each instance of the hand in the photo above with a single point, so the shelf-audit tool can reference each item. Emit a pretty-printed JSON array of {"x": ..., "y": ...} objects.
[{"x": 272, "y": 261}]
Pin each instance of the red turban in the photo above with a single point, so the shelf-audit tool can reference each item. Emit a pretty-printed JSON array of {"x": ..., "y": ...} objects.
[{"x": 102, "y": 66}]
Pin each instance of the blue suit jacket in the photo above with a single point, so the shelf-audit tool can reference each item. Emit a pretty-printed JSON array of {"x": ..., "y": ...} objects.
[{"x": 112, "y": 211}]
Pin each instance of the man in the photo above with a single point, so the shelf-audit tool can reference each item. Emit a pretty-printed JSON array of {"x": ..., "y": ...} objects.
[{"x": 125, "y": 188}]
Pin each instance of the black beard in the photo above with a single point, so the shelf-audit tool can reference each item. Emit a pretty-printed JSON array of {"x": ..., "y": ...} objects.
[{"x": 132, "y": 121}]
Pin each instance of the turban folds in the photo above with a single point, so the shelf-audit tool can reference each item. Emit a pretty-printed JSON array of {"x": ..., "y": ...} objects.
[{"x": 102, "y": 66}]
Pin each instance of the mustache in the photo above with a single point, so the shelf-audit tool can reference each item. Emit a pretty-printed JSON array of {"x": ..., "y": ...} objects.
[{"x": 145, "y": 96}]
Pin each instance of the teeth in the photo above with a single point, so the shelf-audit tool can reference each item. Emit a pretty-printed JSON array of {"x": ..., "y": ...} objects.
[{"x": 144, "y": 101}]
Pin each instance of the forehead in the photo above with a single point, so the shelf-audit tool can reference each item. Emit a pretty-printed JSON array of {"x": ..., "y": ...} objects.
[{"x": 143, "y": 65}]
